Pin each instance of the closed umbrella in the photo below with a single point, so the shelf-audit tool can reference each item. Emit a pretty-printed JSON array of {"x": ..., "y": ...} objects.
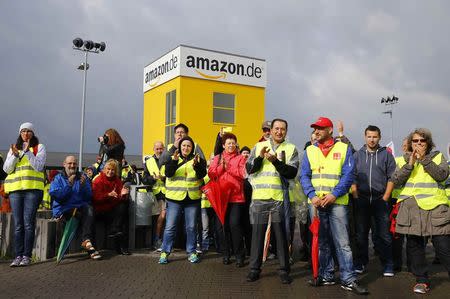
[
  {"x": 69, "y": 233},
  {"x": 314, "y": 228},
  {"x": 217, "y": 195}
]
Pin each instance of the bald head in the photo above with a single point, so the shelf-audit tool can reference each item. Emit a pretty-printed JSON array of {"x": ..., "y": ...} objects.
[
  {"x": 158, "y": 148},
  {"x": 70, "y": 165}
]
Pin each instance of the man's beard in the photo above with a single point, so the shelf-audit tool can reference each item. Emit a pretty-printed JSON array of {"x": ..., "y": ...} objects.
[{"x": 71, "y": 171}]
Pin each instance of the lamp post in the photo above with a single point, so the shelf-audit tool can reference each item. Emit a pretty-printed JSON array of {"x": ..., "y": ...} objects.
[
  {"x": 87, "y": 46},
  {"x": 389, "y": 102}
]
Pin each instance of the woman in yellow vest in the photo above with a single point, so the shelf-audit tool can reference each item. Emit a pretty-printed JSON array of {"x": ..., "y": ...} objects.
[
  {"x": 25, "y": 184},
  {"x": 184, "y": 176},
  {"x": 424, "y": 207}
]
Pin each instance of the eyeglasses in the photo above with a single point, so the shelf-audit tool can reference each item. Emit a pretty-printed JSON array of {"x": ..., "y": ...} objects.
[{"x": 419, "y": 140}]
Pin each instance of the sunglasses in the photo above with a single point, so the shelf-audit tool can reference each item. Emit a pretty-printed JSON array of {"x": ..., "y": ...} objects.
[
  {"x": 266, "y": 130},
  {"x": 419, "y": 140}
]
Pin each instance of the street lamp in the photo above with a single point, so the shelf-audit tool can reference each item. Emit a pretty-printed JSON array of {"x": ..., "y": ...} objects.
[
  {"x": 390, "y": 102},
  {"x": 92, "y": 47}
]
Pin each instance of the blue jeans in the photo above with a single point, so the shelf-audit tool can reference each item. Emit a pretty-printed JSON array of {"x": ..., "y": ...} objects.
[
  {"x": 334, "y": 230},
  {"x": 173, "y": 212},
  {"x": 207, "y": 226},
  {"x": 373, "y": 215},
  {"x": 24, "y": 205}
]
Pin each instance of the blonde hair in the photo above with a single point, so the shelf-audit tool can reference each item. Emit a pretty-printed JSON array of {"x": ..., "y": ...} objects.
[{"x": 113, "y": 164}]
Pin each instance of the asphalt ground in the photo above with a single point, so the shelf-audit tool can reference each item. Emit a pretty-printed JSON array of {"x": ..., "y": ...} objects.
[{"x": 140, "y": 276}]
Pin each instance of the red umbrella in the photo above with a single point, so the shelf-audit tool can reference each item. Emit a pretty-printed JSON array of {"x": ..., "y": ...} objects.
[
  {"x": 267, "y": 238},
  {"x": 217, "y": 194},
  {"x": 314, "y": 228}
]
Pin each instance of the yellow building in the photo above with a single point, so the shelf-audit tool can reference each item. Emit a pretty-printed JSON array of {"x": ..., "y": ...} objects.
[{"x": 205, "y": 90}]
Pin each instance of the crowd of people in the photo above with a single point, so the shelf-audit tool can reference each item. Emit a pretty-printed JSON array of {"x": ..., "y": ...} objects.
[{"x": 246, "y": 201}]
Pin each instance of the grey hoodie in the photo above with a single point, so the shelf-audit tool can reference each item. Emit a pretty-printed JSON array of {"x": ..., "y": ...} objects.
[{"x": 372, "y": 171}]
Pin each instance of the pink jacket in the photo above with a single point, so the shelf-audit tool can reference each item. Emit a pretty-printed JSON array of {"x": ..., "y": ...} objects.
[{"x": 230, "y": 170}]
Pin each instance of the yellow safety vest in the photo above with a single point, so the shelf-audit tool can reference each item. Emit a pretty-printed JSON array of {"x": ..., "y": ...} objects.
[
  {"x": 205, "y": 202},
  {"x": 266, "y": 182},
  {"x": 125, "y": 172},
  {"x": 327, "y": 171},
  {"x": 396, "y": 192},
  {"x": 152, "y": 168},
  {"x": 427, "y": 192},
  {"x": 46, "y": 201},
  {"x": 184, "y": 182},
  {"x": 24, "y": 176}
]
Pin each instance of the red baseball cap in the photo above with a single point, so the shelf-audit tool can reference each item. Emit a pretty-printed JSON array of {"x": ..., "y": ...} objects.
[{"x": 322, "y": 122}]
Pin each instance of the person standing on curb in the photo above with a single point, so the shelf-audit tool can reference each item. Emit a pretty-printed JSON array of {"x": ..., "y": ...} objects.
[
  {"x": 25, "y": 184},
  {"x": 326, "y": 176},
  {"x": 269, "y": 161},
  {"x": 374, "y": 166}
]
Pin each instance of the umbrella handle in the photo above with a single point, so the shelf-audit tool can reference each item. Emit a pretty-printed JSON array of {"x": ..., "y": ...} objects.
[{"x": 74, "y": 212}]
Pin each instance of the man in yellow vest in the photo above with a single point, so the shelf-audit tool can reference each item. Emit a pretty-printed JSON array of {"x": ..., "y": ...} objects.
[
  {"x": 271, "y": 163},
  {"x": 326, "y": 176},
  {"x": 153, "y": 177}
]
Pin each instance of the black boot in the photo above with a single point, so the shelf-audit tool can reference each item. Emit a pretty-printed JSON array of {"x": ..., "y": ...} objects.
[{"x": 118, "y": 244}]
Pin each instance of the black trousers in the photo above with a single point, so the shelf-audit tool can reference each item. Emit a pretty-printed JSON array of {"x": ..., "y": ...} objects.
[
  {"x": 258, "y": 234},
  {"x": 415, "y": 248},
  {"x": 231, "y": 235},
  {"x": 116, "y": 220}
]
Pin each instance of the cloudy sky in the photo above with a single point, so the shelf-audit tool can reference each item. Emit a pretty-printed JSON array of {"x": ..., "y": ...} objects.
[{"x": 332, "y": 58}]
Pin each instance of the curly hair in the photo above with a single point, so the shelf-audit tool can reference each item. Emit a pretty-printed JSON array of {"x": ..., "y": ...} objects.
[
  {"x": 228, "y": 136},
  {"x": 113, "y": 164},
  {"x": 426, "y": 134}
]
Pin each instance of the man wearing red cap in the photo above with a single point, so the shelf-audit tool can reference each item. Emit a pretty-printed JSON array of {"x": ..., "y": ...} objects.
[{"x": 326, "y": 176}]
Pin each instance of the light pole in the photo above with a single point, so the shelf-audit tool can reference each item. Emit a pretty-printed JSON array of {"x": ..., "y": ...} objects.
[
  {"x": 86, "y": 46},
  {"x": 389, "y": 102}
]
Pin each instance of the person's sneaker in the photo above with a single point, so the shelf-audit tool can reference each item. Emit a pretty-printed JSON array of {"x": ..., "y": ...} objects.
[
  {"x": 271, "y": 256},
  {"x": 199, "y": 250},
  {"x": 157, "y": 245},
  {"x": 388, "y": 272},
  {"x": 360, "y": 269},
  {"x": 16, "y": 261},
  {"x": 193, "y": 258},
  {"x": 355, "y": 288},
  {"x": 321, "y": 282},
  {"x": 26, "y": 261},
  {"x": 163, "y": 258},
  {"x": 421, "y": 288}
]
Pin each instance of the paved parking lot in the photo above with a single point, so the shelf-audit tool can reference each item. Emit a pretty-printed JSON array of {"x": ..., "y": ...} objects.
[{"x": 139, "y": 276}]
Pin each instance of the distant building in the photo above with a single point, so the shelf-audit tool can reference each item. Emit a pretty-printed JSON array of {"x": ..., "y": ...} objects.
[{"x": 205, "y": 90}]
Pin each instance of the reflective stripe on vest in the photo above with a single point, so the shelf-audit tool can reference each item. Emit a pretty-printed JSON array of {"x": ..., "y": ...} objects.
[
  {"x": 427, "y": 192},
  {"x": 152, "y": 168},
  {"x": 327, "y": 171},
  {"x": 24, "y": 177},
  {"x": 266, "y": 182},
  {"x": 184, "y": 182}
]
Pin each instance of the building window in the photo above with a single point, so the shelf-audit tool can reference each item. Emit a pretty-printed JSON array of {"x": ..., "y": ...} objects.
[
  {"x": 171, "y": 115},
  {"x": 223, "y": 108}
]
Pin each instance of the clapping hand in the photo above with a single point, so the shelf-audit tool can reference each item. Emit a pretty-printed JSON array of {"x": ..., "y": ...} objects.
[
  {"x": 196, "y": 160},
  {"x": 14, "y": 150},
  {"x": 270, "y": 157},
  {"x": 176, "y": 155}
]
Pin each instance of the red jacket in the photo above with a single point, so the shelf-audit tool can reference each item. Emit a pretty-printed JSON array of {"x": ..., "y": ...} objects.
[
  {"x": 101, "y": 186},
  {"x": 232, "y": 174}
]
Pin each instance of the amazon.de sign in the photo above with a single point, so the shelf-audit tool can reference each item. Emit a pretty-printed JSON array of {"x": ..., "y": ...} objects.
[{"x": 205, "y": 64}]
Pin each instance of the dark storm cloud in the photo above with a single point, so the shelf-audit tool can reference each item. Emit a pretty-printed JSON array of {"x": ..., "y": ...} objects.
[{"x": 323, "y": 58}]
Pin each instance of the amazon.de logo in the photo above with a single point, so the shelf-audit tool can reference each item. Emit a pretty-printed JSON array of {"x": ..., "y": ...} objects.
[{"x": 202, "y": 64}]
